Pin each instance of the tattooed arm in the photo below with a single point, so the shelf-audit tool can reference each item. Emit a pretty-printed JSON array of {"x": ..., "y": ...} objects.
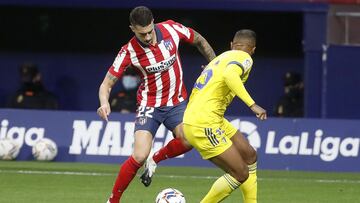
[
  {"x": 104, "y": 94},
  {"x": 203, "y": 46}
]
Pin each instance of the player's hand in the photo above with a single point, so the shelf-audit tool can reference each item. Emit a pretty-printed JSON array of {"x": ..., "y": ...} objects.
[
  {"x": 259, "y": 112},
  {"x": 104, "y": 111}
]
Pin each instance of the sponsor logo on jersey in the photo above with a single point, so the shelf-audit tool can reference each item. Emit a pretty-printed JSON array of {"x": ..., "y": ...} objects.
[{"x": 162, "y": 66}]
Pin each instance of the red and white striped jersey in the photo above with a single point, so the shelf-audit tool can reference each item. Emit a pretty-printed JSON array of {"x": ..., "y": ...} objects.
[{"x": 159, "y": 66}]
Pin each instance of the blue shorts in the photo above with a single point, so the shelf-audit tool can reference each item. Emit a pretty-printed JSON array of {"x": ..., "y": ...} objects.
[{"x": 150, "y": 118}]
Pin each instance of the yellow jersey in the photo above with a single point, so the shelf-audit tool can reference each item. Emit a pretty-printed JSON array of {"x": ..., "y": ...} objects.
[{"x": 216, "y": 87}]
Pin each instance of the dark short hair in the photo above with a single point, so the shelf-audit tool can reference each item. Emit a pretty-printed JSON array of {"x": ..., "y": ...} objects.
[
  {"x": 141, "y": 16},
  {"x": 246, "y": 33}
]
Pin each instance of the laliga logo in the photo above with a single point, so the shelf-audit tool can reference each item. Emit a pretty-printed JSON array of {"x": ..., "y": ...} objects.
[
  {"x": 250, "y": 130},
  {"x": 21, "y": 134}
]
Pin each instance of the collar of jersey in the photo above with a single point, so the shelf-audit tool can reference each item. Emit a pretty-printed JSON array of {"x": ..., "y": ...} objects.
[{"x": 159, "y": 37}]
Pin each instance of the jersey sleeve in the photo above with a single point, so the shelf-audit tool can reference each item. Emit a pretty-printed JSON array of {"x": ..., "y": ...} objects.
[
  {"x": 185, "y": 33},
  {"x": 243, "y": 63},
  {"x": 121, "y": 62},
  {"x": 232, "y": 74},
  {"x": 247, "y": 63}
]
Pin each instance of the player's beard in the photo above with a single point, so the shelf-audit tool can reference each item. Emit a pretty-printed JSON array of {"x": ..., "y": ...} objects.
[{"x": 149, "y": 42}]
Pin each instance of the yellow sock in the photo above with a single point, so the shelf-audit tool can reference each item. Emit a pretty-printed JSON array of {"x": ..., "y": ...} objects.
[
  {"x": 249, "y": 187},
  {"x": 221, "y": 188}
]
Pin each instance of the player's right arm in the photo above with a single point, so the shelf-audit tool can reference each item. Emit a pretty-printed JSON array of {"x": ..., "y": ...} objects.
[
  {"x": 121, "y": 61},
  {"x": 104, "y": 94},
  {"x": 232, "y": 77}
]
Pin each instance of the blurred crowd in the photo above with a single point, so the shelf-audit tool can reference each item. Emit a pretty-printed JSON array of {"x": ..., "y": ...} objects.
[
  {"x": 291, "y": 104},
  {"x": 32, "y": 93}
]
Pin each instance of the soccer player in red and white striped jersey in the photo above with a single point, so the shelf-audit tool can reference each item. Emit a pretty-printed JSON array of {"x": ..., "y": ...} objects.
[
  {"x": 158, "y": 64},
  {"x": 153, "y": 53}
]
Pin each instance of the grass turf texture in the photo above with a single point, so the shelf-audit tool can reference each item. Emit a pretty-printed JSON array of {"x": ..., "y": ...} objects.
[{"x": 50, "y": 182}]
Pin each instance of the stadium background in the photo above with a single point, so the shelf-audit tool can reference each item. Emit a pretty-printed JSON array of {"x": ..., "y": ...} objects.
[
  {"x": 61, "y": 37},
  {"x": 74, "y": 42}
]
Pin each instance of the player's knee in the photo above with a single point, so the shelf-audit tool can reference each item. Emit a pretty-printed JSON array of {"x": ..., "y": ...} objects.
[
  {"x": 241, "y": 174},
  {"x": 252, "y": 156},
  {"x": 140, "y": 157}
]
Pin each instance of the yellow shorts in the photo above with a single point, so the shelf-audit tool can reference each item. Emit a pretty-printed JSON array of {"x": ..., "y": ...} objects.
[{"x": 210, "y": 141}]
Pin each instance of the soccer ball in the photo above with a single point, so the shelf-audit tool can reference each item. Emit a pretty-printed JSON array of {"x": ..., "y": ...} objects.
[
  {"x": 44, "y": 150},
  {"x": 170, "y": 195},
  {"x": 9, "y": 149}
]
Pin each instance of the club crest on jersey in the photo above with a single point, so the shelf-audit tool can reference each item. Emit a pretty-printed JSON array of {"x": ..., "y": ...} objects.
[
  {"x": 168, "y": 45},
  {"x": 141, "y": 120},
  {"x": 219, "y": 131}
]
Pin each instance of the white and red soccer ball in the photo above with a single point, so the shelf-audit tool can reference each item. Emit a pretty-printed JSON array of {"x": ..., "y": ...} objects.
[
  {"x": 170, "y": 195},
  {"x": 44, "y": 150},
  {"x": 9, "y": 149}
]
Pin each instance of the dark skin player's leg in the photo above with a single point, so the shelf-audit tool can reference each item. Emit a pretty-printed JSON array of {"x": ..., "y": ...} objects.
[
  {"x": 232, "y": 163},
  {"x": 243, "y": 146}
]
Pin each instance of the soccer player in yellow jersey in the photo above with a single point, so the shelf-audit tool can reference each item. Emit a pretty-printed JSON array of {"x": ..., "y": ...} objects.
[{"x": 211, "y": 134}]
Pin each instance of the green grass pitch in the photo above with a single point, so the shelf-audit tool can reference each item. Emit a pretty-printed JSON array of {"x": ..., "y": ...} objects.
[{"x": 54, "y": 182}]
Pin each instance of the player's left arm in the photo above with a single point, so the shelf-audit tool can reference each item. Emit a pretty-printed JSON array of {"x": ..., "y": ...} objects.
[
  {"x": 232, "y": 74},
  {"x": 203, "y": 46},
  {"x": 189, "y": 35}
]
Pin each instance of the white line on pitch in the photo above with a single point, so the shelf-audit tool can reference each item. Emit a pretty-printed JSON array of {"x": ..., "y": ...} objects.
[{"x": 171, "y": 176}]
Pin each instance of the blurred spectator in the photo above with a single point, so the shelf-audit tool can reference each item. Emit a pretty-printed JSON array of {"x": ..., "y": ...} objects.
[
  {"x": 125, "y": 100},
  {"x": 291, "y": 104},
  {"x": 32, "y": 93}
]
